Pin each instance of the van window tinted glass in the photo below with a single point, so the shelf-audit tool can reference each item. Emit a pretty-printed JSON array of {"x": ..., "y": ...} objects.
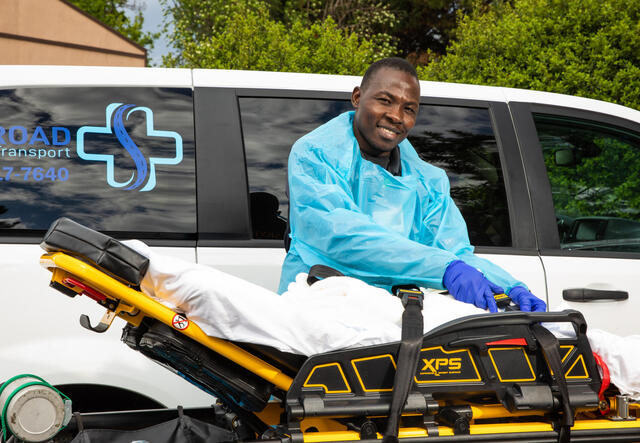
[
  {"x": 270, "y": 126},
  {"x": 593, "y": 170},
  {"x": 459, "y": 140},
  {"x": 114, "y": 159}
]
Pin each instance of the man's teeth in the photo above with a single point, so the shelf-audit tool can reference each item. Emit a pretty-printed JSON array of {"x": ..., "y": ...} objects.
[{"x": 388, "y": 132}]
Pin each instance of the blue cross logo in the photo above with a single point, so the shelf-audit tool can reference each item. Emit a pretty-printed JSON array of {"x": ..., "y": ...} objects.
[{"x": 120, "y": 113}]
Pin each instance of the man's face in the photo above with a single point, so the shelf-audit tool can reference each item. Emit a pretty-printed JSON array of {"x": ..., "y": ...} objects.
[{"x": 386, "y": 110}]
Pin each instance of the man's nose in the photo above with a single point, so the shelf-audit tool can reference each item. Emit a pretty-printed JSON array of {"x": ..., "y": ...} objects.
[{"x": 395, "y": 114}]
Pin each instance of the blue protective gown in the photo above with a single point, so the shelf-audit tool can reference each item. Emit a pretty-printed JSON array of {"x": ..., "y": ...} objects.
[{"x": 353, "y": 215}]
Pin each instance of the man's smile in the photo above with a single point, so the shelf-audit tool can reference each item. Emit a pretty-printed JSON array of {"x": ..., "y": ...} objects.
[{"x": 388, "y": 132}]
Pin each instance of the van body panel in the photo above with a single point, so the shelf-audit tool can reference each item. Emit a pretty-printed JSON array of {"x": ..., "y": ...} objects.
[
  {"x": 23, "y": 76},
  {"x": 261, "y": 266},
  {"x": 607, "y": 275},
  {"x": 41, "y": 335}
]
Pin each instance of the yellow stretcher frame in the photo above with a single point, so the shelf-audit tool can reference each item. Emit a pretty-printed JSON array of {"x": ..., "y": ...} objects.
[{"x": 133, "y": 306}]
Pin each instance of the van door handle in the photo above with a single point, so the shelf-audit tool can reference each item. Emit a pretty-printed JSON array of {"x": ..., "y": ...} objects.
[{"x": 586, "y": 294}]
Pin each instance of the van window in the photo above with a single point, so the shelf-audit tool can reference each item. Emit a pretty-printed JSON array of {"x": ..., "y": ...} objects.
[
  {"x": 593, "y": 170},
  {"x": 114, "y": 159},
  {"x": 459, "y": 140},
  {"x": 270, "y": 126}
]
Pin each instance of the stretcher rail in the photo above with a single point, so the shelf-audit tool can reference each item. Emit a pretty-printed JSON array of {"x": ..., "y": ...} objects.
[{"x": 119, "y": 291}]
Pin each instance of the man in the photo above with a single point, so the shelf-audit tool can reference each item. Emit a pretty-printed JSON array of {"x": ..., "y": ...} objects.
[{"x": 364, "y": 203}]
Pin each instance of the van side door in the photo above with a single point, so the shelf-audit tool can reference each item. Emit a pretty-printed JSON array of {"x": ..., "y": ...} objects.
[{"x": 582, "y": 169}]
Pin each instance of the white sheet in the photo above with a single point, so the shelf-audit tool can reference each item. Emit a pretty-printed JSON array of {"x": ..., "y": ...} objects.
[{"x": 334, "y": 313}]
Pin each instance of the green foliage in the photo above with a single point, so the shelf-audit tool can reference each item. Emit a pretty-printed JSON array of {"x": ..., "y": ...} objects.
[
  {"x": 111, "y": 13},
  {"x": 597, "y": 185},
  {"x": 589, "y": 48},
  {"x": 246, "y": 36},
  {"x": 425, "y": 27},
  {"x": 372, "y": 20},
  {"x": 197, "y": 20},
  {"x": 417, "y": 29}
]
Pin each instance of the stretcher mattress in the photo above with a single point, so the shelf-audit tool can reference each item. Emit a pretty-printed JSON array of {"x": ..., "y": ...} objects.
[{"x": 335, "y": 313}]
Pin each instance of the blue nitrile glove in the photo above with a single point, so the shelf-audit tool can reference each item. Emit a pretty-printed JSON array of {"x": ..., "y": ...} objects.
[
  {"x": 526, "y": 300},
  {"x": 469, "y": 285}
]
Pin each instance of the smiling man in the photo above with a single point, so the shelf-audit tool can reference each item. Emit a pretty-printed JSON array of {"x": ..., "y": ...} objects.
[
  {"x": 364, "y": 203},
  {"x": 386, "y": 106}
]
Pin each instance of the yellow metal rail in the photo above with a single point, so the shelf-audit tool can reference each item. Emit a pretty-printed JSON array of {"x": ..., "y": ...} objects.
[{"x": 116, "y": 290}]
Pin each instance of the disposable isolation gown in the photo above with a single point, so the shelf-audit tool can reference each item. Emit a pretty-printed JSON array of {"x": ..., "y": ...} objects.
[{"x": 353, "y": 215}]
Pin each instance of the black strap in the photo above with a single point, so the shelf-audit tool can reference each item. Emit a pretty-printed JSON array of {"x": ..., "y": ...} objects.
[
  {"x": 79, "y": 423},
  {"x": 408, "y": 356},
  {"x": 550, "y": 347},
  {"x": 319, "y": 272}
]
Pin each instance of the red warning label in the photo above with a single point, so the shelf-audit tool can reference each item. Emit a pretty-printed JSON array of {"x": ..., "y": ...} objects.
[{"x": 180, "y": 322}]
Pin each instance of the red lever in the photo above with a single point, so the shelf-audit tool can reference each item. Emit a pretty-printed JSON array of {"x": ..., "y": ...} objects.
[
  {"x": 606, "y": 380},
  {"x": 86, "y": 290},
  {"x": 508, "y": 342}
]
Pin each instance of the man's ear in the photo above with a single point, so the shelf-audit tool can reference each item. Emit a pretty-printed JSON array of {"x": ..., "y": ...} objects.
[{"x": 355, "y": 97}]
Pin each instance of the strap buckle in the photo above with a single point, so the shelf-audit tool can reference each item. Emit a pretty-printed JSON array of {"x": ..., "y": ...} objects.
[
  {"x": 409, "y": 294},
  {"x": 502, "y": 300}
]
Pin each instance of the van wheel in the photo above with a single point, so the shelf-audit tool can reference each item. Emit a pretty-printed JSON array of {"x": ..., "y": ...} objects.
[{"x": 99, "y": 398}]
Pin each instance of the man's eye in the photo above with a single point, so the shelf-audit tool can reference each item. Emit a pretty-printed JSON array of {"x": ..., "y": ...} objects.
[
  {"x": 410, "y": 110},
  {"x": 383, "y": 100}
]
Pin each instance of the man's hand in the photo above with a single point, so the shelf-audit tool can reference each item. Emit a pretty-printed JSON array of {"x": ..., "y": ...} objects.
[
  {"x": 526, "y": 300},
  {"x": 469, "y": 285}
]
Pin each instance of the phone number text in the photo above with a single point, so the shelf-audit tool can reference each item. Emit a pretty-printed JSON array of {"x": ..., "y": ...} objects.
[{"x": 9, "y": 173}]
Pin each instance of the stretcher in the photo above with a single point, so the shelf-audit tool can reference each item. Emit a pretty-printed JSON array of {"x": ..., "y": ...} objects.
[{"x": 479, "y": 378}]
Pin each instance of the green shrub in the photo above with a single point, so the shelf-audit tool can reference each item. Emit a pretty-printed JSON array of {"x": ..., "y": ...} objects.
[
  {"x": 589, "y": 48},
  {"x": 248, "y": 38}
]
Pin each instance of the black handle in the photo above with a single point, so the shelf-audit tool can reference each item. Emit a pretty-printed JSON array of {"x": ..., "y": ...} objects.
[
  {"x": 86, "y": 323},
  {"x": 586, "y": 294}
]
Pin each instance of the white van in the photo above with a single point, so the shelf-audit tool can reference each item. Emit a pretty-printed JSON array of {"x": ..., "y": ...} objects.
[{"x": 193, "y": 162}]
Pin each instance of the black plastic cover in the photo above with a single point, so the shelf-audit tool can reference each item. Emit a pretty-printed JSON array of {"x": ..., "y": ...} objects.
[
  {"x": 98, "y": 249},
  {"x": 199, "y": 365},
  {"x": 493, "y": 356}
]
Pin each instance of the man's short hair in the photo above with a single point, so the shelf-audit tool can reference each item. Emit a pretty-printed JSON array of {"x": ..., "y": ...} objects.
[{"x": 397, "y": 63}]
